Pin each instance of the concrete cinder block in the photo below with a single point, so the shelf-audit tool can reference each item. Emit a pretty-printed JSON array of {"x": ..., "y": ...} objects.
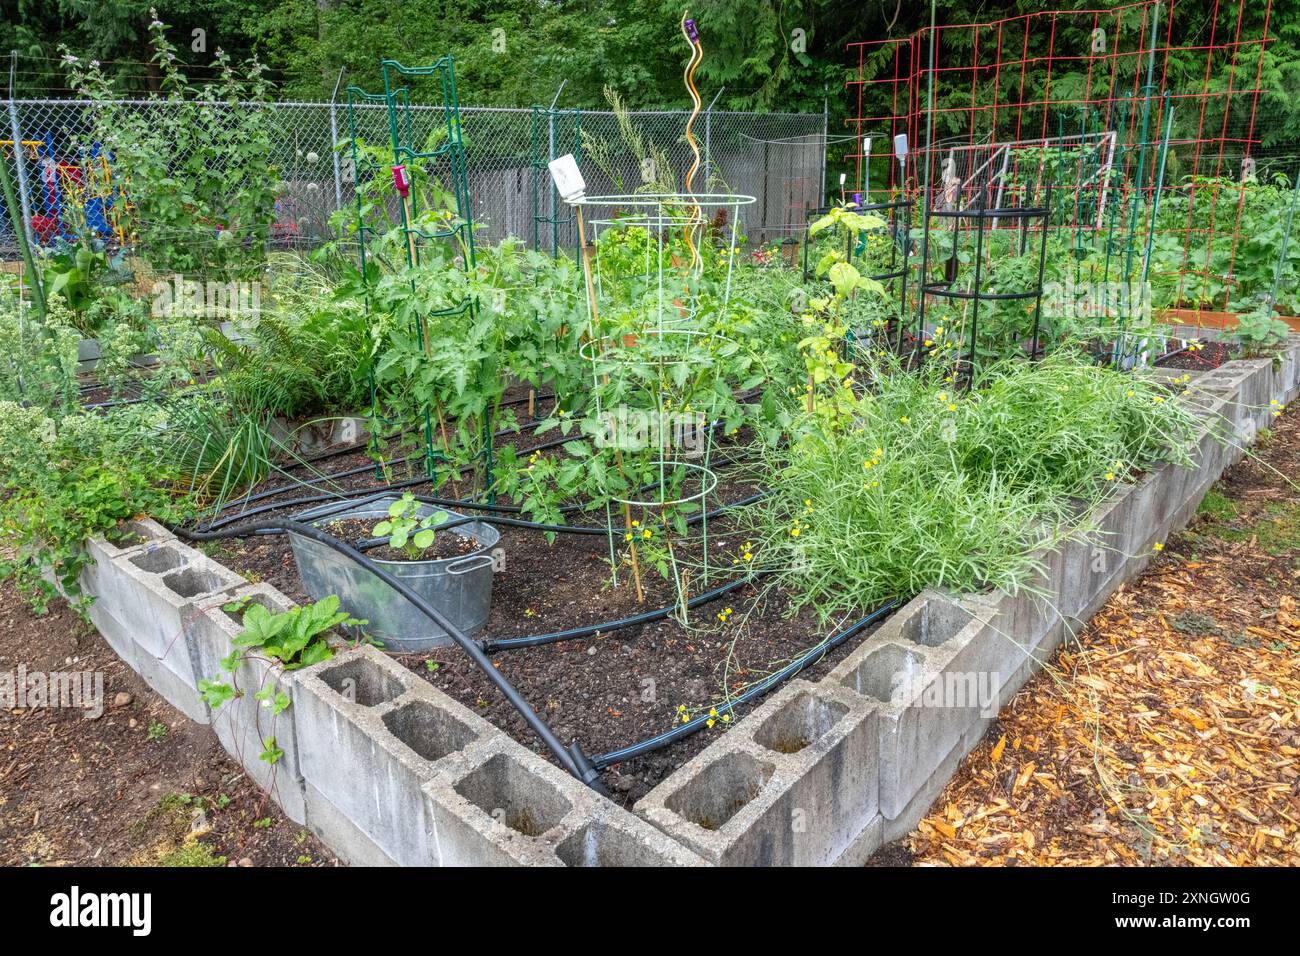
[
  {"x": 369, "y": 735},
  {"x": 821, "y": 793},
  {"x": 1286, "y": 378},
  {"x": 132, "y": 535},
  {"x": 503, "y": 805},
  {"x": 143, "y": 595},
  {"x": 936, "y": 669},
  {"x": 244, "y": 725},
  {"x": 725, "y": 803},
  {"x": 162, "y": 588},
  {"x": 396, "y": 771}
]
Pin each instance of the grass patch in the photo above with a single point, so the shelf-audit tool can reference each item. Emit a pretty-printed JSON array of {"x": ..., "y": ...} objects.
[
  {"x": 1217, "y": 506},
  {"x": 1278, "y": 528},
  {"x": 192, "y": 853}
]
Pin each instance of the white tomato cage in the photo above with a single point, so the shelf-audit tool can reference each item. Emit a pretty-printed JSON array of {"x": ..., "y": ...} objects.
[
  {"x": 656, "y": 263},
  {"x": 660, "y": 214}
]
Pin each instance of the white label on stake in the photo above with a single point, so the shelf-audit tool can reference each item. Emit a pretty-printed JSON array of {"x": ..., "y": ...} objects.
[{"x": 568, "y": 178}]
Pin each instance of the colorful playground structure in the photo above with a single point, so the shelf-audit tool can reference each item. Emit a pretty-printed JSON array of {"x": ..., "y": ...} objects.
[{"x": 71, "y": 194}]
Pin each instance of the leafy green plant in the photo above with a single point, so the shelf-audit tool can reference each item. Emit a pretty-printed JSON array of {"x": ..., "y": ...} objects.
[
  {"x": 73, "y": 273},
  {"x": 406, "y": 529},
  {"x": 1260, "y": 331},
  {"x": 933, "y": 488},
  {"x": 65, "y": 480},
  {"x": 39, "y": 360},
  {"x": 188, "y": 213},
  {"x": 289, "y": 639}
]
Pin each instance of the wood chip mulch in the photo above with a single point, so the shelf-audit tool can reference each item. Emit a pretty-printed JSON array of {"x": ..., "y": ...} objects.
[{"x": 1169, "y": 733}]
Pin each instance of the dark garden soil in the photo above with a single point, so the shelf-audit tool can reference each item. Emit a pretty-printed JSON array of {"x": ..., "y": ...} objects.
[
  {"x": 446, "y": 544},
  {"x": 1206, "y": 357},
  {"x": 617, "y": 687},
  {"x": 1168, "y": 734},
  {"x": 139, "y": 785}
]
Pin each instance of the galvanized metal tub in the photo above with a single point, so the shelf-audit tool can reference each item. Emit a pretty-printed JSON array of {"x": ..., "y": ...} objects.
[{"x": 461, "y": 588}]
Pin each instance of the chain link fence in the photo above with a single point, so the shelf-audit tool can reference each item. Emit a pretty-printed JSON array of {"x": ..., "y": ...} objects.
[{"x": 779, "y": 158}]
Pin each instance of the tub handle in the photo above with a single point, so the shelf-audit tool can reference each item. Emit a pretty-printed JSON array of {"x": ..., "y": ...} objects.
[{"x": 474, "y": 562}]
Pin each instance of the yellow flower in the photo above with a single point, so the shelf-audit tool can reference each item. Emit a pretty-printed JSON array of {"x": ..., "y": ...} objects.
[
  {"x": 1158, "y": 546},
  {"x": 713, "y": 712},
  {"x": 710, "y": 722},
  {"x": 646, "y": 534},
  {"x": 748, "y": 556},
  {"x": 628, "y": 536},
  {"x": 904, "y": 419},
  {"x": 952, "y": 408},
  {"x": 879, "y": 452},
  {"x": 1110, "y": 476},
  {"x": 794, "y": 532}
]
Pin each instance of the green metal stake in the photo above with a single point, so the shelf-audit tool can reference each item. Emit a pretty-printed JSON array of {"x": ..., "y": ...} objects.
[
  {"x": 1286, "y": 242},
  {"x": 1155, "y": 199},
  {"x": 29, "y": 263}
]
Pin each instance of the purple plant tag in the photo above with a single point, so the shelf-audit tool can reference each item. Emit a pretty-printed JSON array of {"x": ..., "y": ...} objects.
[
  {"x": 692, "y": 32},
  {"x": 857, "y": 199}
]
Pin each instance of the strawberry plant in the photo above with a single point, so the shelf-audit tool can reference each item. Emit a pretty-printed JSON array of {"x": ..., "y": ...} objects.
[{"x": 290, "y": 639}]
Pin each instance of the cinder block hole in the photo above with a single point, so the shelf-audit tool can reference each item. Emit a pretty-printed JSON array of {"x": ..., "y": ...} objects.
[
  {"x": 514, "y": 796},
  {"x": 883, "y": 672},
  {"x": 191, "y": 582},
  {"x": 936, "y": 624},
  {"x": 248, "y": 600},
  {"x": 363, "y": 682},
  {"x": 428, "y": 730},
  {"x": 159, "y": 560},
  {"x": 142, "y": 531},
  {"x": 721, "y": 790},
  {"x": 799, "y": 723},
  {"x": 598, "y": 844}
]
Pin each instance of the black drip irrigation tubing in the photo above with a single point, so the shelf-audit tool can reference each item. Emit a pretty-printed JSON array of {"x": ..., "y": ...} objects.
[
  {"x": 500, "y": 433},
  {"x": 645, "y": 617},
  {"x": 571, "y": 758},
  {"x": 347, "y": 473},
  {"x": 806, "y": 660}
]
